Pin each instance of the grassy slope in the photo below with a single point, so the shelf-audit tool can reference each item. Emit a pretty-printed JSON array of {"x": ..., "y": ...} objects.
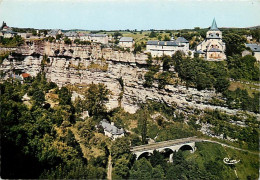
[{"x": 206, "y": 152}]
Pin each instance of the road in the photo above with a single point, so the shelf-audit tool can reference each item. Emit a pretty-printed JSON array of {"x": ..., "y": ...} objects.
[{"x": 109, "y": 168}]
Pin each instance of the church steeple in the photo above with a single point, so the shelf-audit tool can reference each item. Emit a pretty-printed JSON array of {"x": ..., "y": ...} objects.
[{"x": 214, "y": 26}]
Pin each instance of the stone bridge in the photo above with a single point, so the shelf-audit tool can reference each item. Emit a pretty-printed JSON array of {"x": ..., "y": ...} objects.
[{"x": 166, "y": 146}]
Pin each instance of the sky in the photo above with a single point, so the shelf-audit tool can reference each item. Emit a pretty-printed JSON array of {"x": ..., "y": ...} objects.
[{"x": 129, "y": 14}]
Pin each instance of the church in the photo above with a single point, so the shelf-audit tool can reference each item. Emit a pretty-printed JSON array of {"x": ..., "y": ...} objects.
[{"x": 212, "y": 48}]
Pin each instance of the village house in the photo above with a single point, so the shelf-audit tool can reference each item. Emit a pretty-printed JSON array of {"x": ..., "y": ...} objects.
[
  {"x": 212, "y": 48},
  {"x": 8, "y": 34},
  {"x": 111, "y": 130},
  {"x": 24, "y": 35},
  {"x": 53, "y": 33},
  {"x": 126, "y": 42},
  {"x": 72, "y": 35},
  {"x": 97, "y": 38},
  {"x": 160, "y": 48},
  {"x": 255, "y": 48},
  {"x": 7, "y": 31}
]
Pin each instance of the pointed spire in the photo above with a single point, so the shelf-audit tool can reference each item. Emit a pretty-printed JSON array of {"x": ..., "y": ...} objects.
[{"x": 214, "y": 25}]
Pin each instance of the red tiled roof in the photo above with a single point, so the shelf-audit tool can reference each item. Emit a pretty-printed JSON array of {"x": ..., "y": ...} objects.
[{"x": 25, "y": 75}]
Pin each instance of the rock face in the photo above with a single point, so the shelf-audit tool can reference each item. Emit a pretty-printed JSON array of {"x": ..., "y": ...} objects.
[{"x": 94, "y": 64}]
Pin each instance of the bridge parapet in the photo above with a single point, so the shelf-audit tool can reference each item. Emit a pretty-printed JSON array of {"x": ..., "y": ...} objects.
[{"x": 173, "y": 145}]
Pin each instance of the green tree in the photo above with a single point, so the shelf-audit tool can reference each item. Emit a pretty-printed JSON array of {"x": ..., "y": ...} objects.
[
  {"x": 96, "y": 97},
  {"x": 142, "y": 169},
  {"x": 166, "y": 38},
  {"x": 137, "y": 48},
  {"x": 152, "y": 34},
  {"x": 64, "y": 96},
  {"x": 235, "y": 43},
  {"x": 144, "y": 121},
  {"x": 120, "y": 147},
  {"x": 117, "y": 34},
  {"x": 39, "y": 97},
  {"x": 67, "y": 40},
  {"x": 121, "y": 168}
]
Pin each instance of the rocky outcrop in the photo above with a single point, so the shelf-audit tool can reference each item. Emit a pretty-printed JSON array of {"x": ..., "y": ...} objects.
[{"x": 68, "y": 64}]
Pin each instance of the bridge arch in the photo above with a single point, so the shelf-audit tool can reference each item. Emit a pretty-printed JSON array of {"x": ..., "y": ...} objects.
[
  {"x": 186, "y": 147},
  {"x": 144, "y": 154}
]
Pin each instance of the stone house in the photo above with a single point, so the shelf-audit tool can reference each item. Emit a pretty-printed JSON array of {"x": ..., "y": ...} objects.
[
  {"x": 126, "y": 42},
  {"x": 97, "y": 38},
  {"x": 72, "y": 35},
  {"x": 53, "y": 33},
  {"x": 9, "y": 34},
  {"x": 212, "y": 48},
  {"x": 256, "y": 50},
  {"x": 111, "y": 130},
  {"x": 160, "y": 48}
]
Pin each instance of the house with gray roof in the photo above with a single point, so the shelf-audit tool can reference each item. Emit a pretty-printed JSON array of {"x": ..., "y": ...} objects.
[
  {"x": 53, "y": 32},
  {"x": 72, "y": 35},
  {"x": 160, "y": 48},
  {"x": 8, "y": 33},
  {"x": 255, "y": 48},
  {"x": 126, "y": 42},
  {"x": 111, "y": 130}
]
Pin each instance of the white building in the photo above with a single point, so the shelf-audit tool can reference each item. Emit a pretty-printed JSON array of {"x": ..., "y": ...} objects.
[
  {"x": 127, "y": 42},
  {"x": 160, "y": 48},
  {"x": 111, "y": 130},
  {"x": 212, "y": 48},
  {"x": 72, "y": 35},
  {"x": 256, "y": 50},
  {"x": 8, "y": 34},
  {"x": 97, "y": 38}
]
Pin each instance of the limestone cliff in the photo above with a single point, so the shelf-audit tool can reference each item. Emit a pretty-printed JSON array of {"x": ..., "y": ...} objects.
[{"x": 68, "y": 64}]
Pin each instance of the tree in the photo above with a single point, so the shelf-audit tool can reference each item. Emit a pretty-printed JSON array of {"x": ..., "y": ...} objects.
[
  {"x": 163, "y": 79},
  {"x": 144, "y": 120},
  {"x": 58, "y": 36},
  {"x": 64, "y": 96},
  {"x": 157, "y": 158},
  {"x": 120, "y": 147},
  {"x": 77, "y": 41},
  {"x": 167, "y": 62},
  {"x": 159, "y": 37},
  {"x": 96, "y": 97},
  {"x": 137, "y": 48},
  {"x": 153, "y": 34},
  {"x": 221, "y": 84},
  {"x": 39, "y": 97},
  {"x": 121, "y": 168},
  {"x": 157, "y": 172},
  {"x": 235, "y": 43},
  {"x": 142, "y": 169},
  {"x": 166, "y": 38},
  {"x": 67, "y": 40},
  {"x": 149, "y": 78},
  {"x": 203, "y": 81},
  {"x": 117, "y": 34}
]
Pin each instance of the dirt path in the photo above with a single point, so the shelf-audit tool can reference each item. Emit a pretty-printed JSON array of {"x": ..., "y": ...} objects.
[{"x": 109, "y": 168}]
